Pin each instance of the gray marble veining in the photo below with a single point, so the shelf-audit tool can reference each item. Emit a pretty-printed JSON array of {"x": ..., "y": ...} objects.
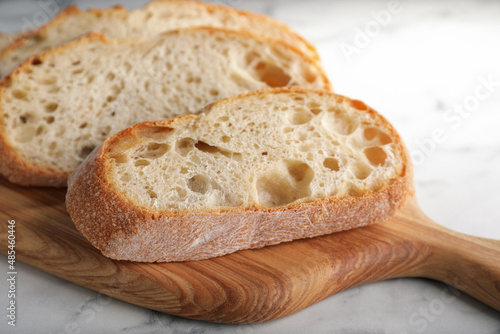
[{"x": 419, "y": 63}]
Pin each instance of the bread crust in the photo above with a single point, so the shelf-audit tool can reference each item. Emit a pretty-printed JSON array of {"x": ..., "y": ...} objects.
[
  {"x": 70, "y": 12},
  {"x": 12, "y": 165},
  {"x": 122, "y": 230},
  {"x": 20, "y": 171}
]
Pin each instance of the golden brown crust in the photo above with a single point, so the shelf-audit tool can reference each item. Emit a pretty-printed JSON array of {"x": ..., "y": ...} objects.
[
  {"x": 71, "y": 11},
  {"x": 20, "y": 171},
  {"x": 213, "y": 7},
  {"x": 123, "y": 230},
  {"x": 24, "y": 37}
]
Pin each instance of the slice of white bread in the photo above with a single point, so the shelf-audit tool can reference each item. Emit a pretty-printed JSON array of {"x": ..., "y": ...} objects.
[
  {"x": 154, "y": 18},
  {"x": 57, "y": 106},
  {"x": 249, "y": 171}
]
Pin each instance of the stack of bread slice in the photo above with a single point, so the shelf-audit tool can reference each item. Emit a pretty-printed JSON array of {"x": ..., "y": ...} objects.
[
  {"x": 156, "y": 17},
  {"x": 57, "y": 105},
  {"x": 189, "y": 130}
]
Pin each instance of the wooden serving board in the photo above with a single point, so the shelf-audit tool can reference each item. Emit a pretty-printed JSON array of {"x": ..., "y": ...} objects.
[{"x": 252, "y": 285}]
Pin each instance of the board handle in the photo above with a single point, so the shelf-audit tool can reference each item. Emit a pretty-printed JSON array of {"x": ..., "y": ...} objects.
[{"x": 470, "y": 264}]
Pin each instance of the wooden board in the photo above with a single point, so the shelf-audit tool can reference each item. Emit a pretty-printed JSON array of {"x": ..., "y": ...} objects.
[{"x": 252, "y": 285}]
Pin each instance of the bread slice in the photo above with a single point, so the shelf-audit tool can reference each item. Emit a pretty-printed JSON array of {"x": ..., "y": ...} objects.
[
  {"x": 59, "y": 105},
  {"x": 249, "y": 171},
  {"x": 154, "y": 18},
  {"x": 6, "y": 39}
]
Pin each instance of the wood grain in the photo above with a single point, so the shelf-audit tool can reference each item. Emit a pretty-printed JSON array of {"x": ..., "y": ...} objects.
[{"x": 253, "y": 285}]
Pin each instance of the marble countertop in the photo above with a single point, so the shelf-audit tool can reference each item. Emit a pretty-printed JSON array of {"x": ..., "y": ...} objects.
[{"x": 433, "y": 69}]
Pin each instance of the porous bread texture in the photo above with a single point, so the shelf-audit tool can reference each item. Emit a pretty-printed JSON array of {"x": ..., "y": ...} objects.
[
  {"x": 253, "y": 170},
  {"x": 59, "y": 105},
  {"x": 156, "y": 17}
]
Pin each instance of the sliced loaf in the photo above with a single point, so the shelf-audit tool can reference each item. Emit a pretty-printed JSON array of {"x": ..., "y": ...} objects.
[
  {"x": 57, "y": 106},
  {"x": 249, "y": 171},
  {"x": 155, "y": 17}
]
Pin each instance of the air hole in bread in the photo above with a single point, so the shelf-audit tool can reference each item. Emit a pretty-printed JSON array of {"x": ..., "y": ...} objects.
[
  {"x": 49, "y": 119},
  {"x": 272, "y": 75},
  {"x": 353, "y": 191},
  {"x": 76, "y": 63},
  {"x": 199, "y": 184},
  {"x": 358, "y": 105},
  {"x": 226, "y": 139},
  {"x": 310, "y": 76},
  {"x": 86, "y": 150},
  {"x": 181, "y": 192},
  {"x": 51, "y": 107},
  {"x": 376, "y": 155},
  {"x": 54, "y": 89},
  {"x": 120, "y": 158},
  {"x": 125, "y": 178},
  {"x": 314, "y": 107},
  {"x": 105, "y": 131},
  {"x": 152, "y": 194},
  {"x": 214, "y": 92},
  {"x": 361, "y": 170},
  {"x": 275, "y": 190},
  {"x": 142, "y": 163},
  {"x": 207, "y": 148},
  {"x": 110, "y": 98},
  {"x": 25, "y": 118},
  {"x": 371, "y": 134},
  {"x": 251, "y": 57},
  {"x": 300, "y": 171},
  {"x": 47, "y": 80},
  {"x": 191, "y": 79},
  {"x": 36, "y": 61},
  {"x": 39, "y": 130},
  {"x": 19, "y": 94},
  {"x": 61, "y": 130},
  {"x": 332, "y": 164},
  {"x": 299, "y": 116},
  {"x": 83, "y": 125},
  {"x": 158, "y": 133},
  {"x": 77, "y": 71},
  {"x": 184, "y": 146},
  {"x": 339, "y": 122},
  {"x": 152, "y": 151}
]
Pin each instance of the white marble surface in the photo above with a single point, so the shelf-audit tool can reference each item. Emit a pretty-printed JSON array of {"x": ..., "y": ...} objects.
[{"x": 418, "y": 64}]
